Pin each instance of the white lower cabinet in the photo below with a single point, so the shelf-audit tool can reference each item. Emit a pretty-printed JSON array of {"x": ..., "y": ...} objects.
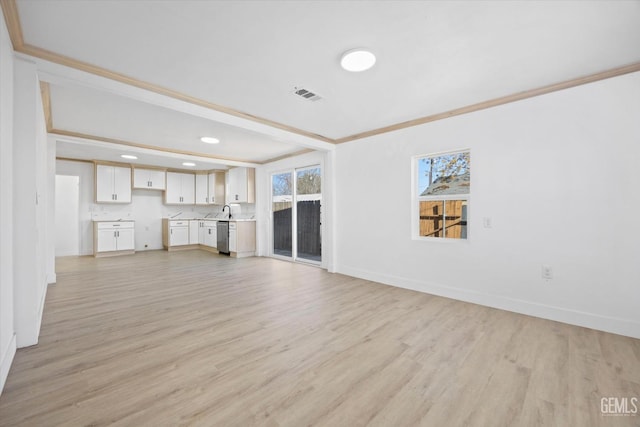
[
  {"x": 113, "y": 238},
  {"x": 194, "y": 232},
  {"x": 233, "y": 242},
  {"x": 242, "y": 238},
  {"x": 178, "y": 233},
  {"x": 210, "y": 234}
]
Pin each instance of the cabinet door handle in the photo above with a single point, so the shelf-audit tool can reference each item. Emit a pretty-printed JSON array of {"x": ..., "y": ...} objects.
[
  {"x": 116, "y": 196},
  {"x": 236, "y": 197},
  {"x": 171, "y": 231}
]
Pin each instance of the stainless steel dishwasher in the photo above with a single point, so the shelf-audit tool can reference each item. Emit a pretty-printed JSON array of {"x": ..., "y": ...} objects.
[{"x": 223, "y": 237}]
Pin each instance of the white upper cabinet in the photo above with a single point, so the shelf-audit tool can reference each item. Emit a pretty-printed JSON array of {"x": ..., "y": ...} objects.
[
  {"x": 202, "y": 189},
  {"x": 150, "y": 179},
  {"x": 242, "y": 185},
  {"x": 210, "y": 188},
  {"x": 113, "y": 184},
  {"x": 216, "y": 188},
  {"x": 181, "y": 189}
]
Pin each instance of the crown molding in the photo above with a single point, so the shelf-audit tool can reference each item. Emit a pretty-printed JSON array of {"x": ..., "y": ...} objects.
[
  {"x": 45, "y": 91},
  {"x": 631, "y": 68}
]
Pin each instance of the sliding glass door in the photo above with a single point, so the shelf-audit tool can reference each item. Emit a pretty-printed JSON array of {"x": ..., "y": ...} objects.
[
  {"x": 296, "y": 214},
  {"x": 282, "y": 214}
]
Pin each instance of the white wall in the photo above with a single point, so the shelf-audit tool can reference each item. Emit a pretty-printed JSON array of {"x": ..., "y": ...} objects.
[
  {"x": 557, "y": 174},
  {"x": 263, "y": 200},
  {"x": 51, "y": 211},
  {"x": 30, "y": 207},
  {"x": 7, "y": 331},
  {"x": 147, "y": 208}
]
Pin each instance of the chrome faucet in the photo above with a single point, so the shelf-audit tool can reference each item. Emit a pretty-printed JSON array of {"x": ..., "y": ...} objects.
[{"x": 229, "y": 210}]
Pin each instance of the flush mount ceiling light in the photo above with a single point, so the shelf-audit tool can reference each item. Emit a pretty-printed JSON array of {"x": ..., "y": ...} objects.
[
  {"x": 209, "y": 140},
  {"x": 128, "y": 156},
  {"x": 188, "y": 164},
  {"x": 356, "y": 60}
]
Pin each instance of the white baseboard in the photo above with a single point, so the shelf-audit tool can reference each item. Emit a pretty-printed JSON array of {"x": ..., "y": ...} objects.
[
  {"x": 614, "y": 325},
  {"x": 5, "y": 362},
  {"x": 52, "y": 278},
  {"x": 40, "y": 313},
  {"x": 30, "y": 337}
]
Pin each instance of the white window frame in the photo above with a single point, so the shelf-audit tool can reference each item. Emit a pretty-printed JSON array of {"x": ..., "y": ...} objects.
[{"x": 416, "y": 199}]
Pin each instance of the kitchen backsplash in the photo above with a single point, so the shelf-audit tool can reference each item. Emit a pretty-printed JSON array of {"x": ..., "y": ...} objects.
[{"x": 115, "y": 212}]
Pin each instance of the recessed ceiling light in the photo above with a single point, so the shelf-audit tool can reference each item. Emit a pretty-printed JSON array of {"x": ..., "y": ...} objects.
[
  {"x": 357, "y": 60},
  {"x": 128, "y": 156},
  {"x": 209, "y": 140},
  {"x": 188, "y": 164}
]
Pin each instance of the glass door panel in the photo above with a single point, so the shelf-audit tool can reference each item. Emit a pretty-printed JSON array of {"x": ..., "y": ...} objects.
[
  {"x": 308, "y": 207},
  {"x": 282, "y": 210}
]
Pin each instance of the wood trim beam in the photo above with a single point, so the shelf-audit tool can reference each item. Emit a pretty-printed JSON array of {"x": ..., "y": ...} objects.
[
  {"x": 286, "y": 156},
  {"x": 11, "y": 17},
  {"x": 102, "y": 72},
  {"x": 69, "y": 159},
  {"x": 45, "y": 91},
  {"x": 497, "y": 101}
]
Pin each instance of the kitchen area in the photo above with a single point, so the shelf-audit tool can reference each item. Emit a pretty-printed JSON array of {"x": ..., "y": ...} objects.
[{"x": 121, "y": 208}]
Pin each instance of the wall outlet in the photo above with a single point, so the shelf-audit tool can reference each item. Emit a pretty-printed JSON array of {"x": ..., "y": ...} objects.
[
  {"x": 547, "y": 272},
  {"x": 486, "y": 222}
]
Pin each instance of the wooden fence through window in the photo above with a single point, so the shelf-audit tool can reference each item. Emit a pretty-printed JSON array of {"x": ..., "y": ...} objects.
[{"x": 433, "y": 223}]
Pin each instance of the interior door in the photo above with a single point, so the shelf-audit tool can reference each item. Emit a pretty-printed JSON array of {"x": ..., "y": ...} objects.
[{"x": 67, "y": 215}]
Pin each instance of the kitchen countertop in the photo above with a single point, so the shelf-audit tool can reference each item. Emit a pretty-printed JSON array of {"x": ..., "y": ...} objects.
[
  {"x": 211, "y": 219},
  {"x": 113, "y": 220}
]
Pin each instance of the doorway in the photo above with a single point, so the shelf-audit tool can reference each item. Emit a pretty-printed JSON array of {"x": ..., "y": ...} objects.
[
  {"x": 67, "y": 212},
  {"x": 296, "y": 212}
]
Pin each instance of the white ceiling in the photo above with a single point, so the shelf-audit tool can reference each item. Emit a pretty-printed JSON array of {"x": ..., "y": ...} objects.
[
  {"x": 433, "y": 56},
  {"x": 88, "y": 111}
]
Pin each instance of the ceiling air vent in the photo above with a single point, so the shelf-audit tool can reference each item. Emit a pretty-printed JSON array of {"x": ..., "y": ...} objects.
[{"x": 306, "y": 94}]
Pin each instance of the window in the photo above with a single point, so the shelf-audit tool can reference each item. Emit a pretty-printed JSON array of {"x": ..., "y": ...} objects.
[{"x": 443, "y": 184}]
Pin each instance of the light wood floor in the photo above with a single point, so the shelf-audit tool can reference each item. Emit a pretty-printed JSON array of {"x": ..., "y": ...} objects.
[{"x": 193, "y": 338}]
